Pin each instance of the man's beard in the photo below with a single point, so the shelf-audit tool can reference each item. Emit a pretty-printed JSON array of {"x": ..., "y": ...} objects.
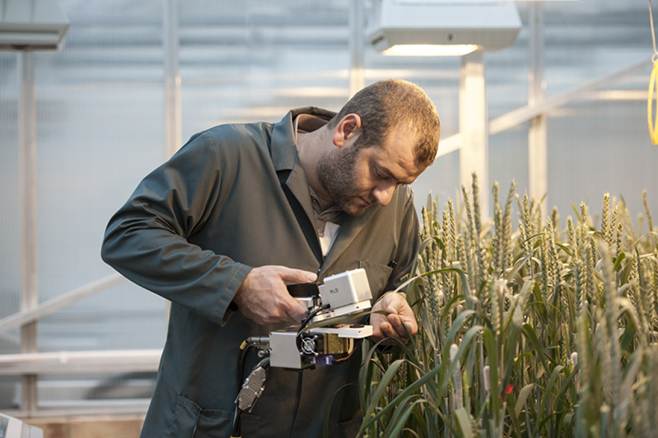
[{"x": 335, "y": 172}]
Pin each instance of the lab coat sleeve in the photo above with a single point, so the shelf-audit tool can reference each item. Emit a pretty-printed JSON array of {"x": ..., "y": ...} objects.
[{"x": 147, "y": 239}]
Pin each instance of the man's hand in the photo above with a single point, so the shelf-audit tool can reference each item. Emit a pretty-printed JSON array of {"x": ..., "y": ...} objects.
[
  {"x": 264, "y": 298},
  {"x": 393, "y": 324}
]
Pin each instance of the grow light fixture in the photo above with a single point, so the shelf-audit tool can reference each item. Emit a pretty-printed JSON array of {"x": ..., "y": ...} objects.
[
  {"x": 442, "y": 27},
  {"x": 430, "y": 50},
  {"x": 32, "y": 25}
]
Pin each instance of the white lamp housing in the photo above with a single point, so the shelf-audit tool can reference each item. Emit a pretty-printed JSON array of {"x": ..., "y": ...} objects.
[
  {"x": 426, "y": 27},
  {"x": 31, "y": 25}
]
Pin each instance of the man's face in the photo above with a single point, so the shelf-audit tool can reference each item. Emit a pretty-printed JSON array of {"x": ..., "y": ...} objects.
[{"x": 357, "y": 178}]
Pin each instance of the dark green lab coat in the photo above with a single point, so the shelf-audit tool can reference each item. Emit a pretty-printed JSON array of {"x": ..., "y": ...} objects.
[{"x": 236, "y": 197}]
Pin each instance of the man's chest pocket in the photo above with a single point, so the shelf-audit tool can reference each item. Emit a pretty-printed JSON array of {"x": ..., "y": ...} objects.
[{"x": 378, "y": 276}]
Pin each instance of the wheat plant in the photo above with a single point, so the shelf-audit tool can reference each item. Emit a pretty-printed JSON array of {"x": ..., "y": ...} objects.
[{"x": 530, "y": 329}]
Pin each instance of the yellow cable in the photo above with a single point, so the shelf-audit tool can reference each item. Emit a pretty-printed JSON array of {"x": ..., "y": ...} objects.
[{"x": 653, "y": 126}]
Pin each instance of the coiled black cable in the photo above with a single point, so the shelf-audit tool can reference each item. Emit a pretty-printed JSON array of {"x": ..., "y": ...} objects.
[{"x": 311, "y": 315}]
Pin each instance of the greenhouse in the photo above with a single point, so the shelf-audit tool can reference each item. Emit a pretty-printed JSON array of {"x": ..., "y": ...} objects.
[{"x": 347, "y": 218}]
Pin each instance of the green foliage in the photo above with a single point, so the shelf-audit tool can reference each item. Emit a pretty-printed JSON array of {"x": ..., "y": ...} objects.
[{"x": 541, "y": 331}]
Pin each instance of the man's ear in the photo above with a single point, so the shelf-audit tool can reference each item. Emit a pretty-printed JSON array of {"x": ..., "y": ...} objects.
[{"x": 347, "y": 130}]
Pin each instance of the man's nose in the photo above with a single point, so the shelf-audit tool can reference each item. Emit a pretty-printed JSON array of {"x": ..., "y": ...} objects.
[{"x": 384, "y": 192}]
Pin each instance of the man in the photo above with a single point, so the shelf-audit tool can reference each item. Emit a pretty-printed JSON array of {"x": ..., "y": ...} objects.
[{"x": 242, "y": 210}]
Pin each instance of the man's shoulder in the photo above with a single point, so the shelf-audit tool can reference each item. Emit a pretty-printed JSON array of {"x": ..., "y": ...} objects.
[
  {"x": 233, "y": 138},
  {"x": 237, "y": 133}
]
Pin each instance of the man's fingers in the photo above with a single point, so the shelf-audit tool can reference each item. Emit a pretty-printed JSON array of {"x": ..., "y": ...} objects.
[
  {"x": 405, "y": 327},
  {"x": 398, "y": 328},
  {"x": 399, "y": 321},
  {"x": 395, "y": 322},
  {"x": 290, "y": 275},
  {"x": 296, "y": 312},
  {"x": 263, "y": 296},
  {"x": 386, "y": 330}
]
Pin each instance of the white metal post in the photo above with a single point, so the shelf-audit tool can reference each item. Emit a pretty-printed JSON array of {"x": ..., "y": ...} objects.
[
  {"x": 27, "y": 143},
  {"x": 537, "y": 141},
  {"x": 474, "y": 127},
  {"x": 173, "y": 112},
  {"x": 357, "y": 41},
  {"x": 171, "y": 44}
]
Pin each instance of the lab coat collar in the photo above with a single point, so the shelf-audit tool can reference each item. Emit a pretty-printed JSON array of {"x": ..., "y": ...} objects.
[
  {"x": 291, "y": 174},
  {"x": 289, "y": 168},
  {"x": 283, "y": 149}
]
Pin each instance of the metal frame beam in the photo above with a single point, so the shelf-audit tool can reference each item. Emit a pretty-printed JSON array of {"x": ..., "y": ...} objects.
[
  {"x": 528, "y": 112},
  {"x": 56, "y": 304},
  {"x": 111, "y": 361},
  {"x": 104, "y": 407},
  {"x": 474, "y": 127},
  {"x": 172, "y": 91},
  {"x": 27, "y": 140},
  {"x": 449, "y": 144},
  {"x": 356, "y": 43},
  {"x": 537, "y": 141}
]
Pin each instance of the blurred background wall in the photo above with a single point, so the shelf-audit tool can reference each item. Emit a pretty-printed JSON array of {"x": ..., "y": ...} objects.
[{"x": 101, "y": 127}]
